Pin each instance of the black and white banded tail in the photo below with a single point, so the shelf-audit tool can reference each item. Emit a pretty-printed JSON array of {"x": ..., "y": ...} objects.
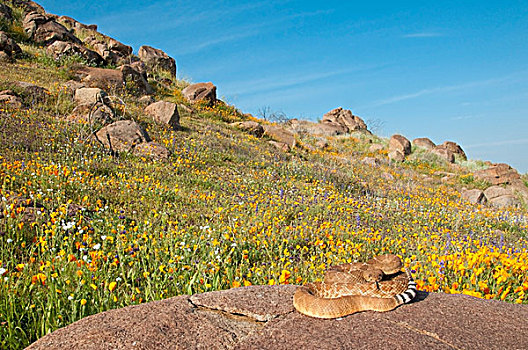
[{"x": 409, "y": 294}]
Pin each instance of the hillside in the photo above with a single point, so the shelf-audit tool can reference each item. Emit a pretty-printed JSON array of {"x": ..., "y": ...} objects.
[{"x": 195, "y": 196}]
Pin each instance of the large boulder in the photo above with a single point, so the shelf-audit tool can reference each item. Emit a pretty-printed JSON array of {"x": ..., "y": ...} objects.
[
  {"x": 156, "y": 59},
  {"x": 43, "y": 29},
  {"x": 498, "y": 174},
  {"x": 263, "y": 317},
  {"x": 9, "y": 49},
  {"x": 424, "y": 142},
  {"x": 164, "y": 112},
  {"x": 455, "y": 148},
  {"x": 200, "y": 92},
  {"x": 344, "y": 118},
  {"x": 400, "y": 144},
  {"x": 122, "y": 135},
  {"x": 279, "y": 134},
  {"x": 60, "y": 49}
]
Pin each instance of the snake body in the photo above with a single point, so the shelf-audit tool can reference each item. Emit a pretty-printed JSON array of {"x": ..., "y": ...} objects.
[{"x": 377, "y": 285}]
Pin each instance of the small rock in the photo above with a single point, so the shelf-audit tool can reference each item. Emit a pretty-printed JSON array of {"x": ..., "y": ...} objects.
[
  {"x": 424, "y": 142},
  {"x": 90, "y": 96},
  {"x": 496, "y": 191},
  {"x": 122, "y": 135},
  {"x": 400, "y": 144},
  {"x": 504, "y": 201},
  {"x": 200, "y": 92},
  {"x": 474, "y": 196},
  {"x": 280, "y": 135},
  {"x": 103, "y": 78},
  {"x": 371, "y": 161},
  {"x": 455, "y": 148},
  {"x": 98, "y": 113},
  {"x": 444, "y": 153},
  {"x": 375, "y": 148},
  {"x": 152, "y": 150},
  {"x": 10, "y": 100},
  {"x": 396, "y": 156},
  {"x": 9, "y": 47},
  {"x": 146, "y": 100},
  {"x": 165, "y": 113},
  {"x": 135, "y": 81},
  {"x": 281, "y": 146},
  {"x": 250, "y": 127}
]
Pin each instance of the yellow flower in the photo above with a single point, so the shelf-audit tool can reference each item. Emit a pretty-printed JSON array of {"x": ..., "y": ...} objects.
[
  {"x": 112, "y": 286},
  {"x": 83, "y": 302}
]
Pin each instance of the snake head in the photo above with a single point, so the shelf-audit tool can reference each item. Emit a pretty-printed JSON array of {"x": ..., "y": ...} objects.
[{"x": 373, "y": 275}]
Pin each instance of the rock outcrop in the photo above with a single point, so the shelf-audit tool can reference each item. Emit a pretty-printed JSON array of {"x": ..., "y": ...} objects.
[
  {"x": 498, "y": 174},
  {"x": 262, "y": 317},
  {"x": 344, "y": 119},
  {"x": 200, "y": 92},
  {"x": 43, "y": 29},
  {"x": 156, "y": 59},
  {"x": 113, "y": 51}
]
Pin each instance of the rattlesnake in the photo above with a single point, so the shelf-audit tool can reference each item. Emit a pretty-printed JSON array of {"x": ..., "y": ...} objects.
[{"x": 378, "y": 285}]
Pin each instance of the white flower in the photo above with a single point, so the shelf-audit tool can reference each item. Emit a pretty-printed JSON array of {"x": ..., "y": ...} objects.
[
  {"x": 103, "y": 237},
  {"x": 118, "y": 279},
  {"x": 2, "y": 271},
  {"x": 9, "y": 240},
  {"x": 97, "y": 246},
  {"x": 70, "y": 297}
]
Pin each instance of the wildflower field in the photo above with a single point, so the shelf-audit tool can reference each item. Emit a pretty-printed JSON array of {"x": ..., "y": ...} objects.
[{"x": 82, "y": 231}]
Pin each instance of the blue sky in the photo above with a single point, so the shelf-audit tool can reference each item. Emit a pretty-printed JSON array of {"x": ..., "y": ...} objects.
[{"x": 447, "y": 70}]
